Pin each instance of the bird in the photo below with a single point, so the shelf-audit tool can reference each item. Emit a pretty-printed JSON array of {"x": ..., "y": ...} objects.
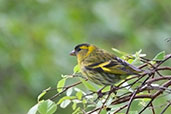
[{"x": 100, "y": 66}]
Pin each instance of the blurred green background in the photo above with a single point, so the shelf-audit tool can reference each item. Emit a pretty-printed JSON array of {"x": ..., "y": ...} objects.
[{"x": 36, "y": 37}]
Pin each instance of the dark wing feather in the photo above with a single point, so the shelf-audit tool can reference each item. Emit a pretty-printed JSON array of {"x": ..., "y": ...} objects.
[
  {"x": 115, "y": 66},
  {"x": 109, "y": 63}
]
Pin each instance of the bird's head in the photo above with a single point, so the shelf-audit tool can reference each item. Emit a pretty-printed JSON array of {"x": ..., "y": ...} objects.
[{"x": 82, "y": 51}]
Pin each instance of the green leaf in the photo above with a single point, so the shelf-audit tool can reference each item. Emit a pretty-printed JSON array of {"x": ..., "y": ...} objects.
[
  {"x": 138, "y": 52},
  {"x": 33, "y": 110},
  {"x": 136, "y": 105},
  {"x": 119, "y": 52},
  {"x": 76, "y": 69},
  {"x": 84, "y": 101},
  {"x": 130, "y": 61},
  {"x": 113, "y": 108},
  {"x": 65, "y": 103},
  {"x": 42, "y": 94},
  {"x": 133, "y": 112},
  {"x": 88, "y": 85},
  {"x": 47, "y": 107},
  {"x": 109, "y": 101},
  {"x": 66, "y": 98},
  {"x": 99, "y": 104},
  {"x": 107, "y": 88},
  {"x": 74, "y": 106},
  {"x": 160, "y": 56},
  {"x": 103, "y": 112},
  {"x": 143, "y": 102},
  {"x": 69, "y": 91},
  {"x": 79, "y": 95},
  {"x": 78, "y": 90},
  {"x": 76, "y": 111},
  {"x": 61, "y": 84}
]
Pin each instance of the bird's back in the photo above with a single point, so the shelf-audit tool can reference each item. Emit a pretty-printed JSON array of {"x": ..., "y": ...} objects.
[{"x": 101, "y": 65}]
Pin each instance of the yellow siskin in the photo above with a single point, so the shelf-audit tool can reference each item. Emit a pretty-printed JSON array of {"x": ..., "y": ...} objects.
[{"x": 100, "y": 66}]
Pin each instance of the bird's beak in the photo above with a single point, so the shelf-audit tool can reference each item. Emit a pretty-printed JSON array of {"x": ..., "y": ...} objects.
[{"x": 73, "y": 53}]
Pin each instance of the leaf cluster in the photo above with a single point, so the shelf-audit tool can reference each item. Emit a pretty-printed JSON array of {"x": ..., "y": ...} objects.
[{"x": 133, "y": 92}]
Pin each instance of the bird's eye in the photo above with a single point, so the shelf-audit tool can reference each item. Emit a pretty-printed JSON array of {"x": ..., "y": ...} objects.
[{"x": 78, "y": 49}]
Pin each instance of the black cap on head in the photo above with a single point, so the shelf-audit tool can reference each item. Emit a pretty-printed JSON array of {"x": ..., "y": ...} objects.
[
  {"x": 79, "y": 45},
  {"x": 77, "y": 48}
]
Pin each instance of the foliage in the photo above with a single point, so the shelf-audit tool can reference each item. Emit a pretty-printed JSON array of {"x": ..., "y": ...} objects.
[
  {"x": 36, "y": 37},
  {"x": 136, "y": 93}
]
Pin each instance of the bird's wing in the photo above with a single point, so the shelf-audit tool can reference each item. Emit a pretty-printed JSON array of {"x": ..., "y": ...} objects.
[{"x": 114, "y": 66}]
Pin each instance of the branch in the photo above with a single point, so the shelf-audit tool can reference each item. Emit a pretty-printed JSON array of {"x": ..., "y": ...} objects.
[
  {"x": 145, "y": 80},
  {"x": 65, "y": 89},
  {"x": 167, "y": 106},
  {"x": 167, "y": 84},
  {"x": 159, "y": 79}
]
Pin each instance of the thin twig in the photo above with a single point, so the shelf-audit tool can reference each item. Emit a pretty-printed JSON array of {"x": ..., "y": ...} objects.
[
  {"x": 121, "y": 108},
  {"x": 146, "y": 106},
  {"x": 149, "y": 78},
  {"x": 164, "y": 68},
  {"x": 104, "y": 102},
  {"x": 130, "y": 101},
  {"x": 152, "y": 108},
  {"x": 167, "y": 84},
  {"x": 158, "y": 79},
  {"x": 65, "y": 89},
  {"x": 134, "y": 94},
  {"x": 167, "y": 106},
  {"x": 90, "y": 112},
  {"x": 166, "y": 58},
  {"x": 126, "y": 98}
]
